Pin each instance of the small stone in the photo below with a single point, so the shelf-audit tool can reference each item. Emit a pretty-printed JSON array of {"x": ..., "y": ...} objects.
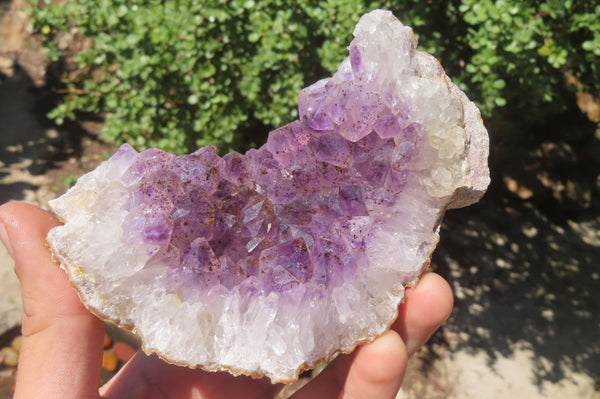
[
  {"x": 7, "y": 66},
  {"x": 52, "y": 134},
  {"x": 123, "y": 351},
  {"x": 9, "y": 356},
  {"x": 109, "y": 360},
  {"x": 107, "y": 340},
  {"x": 16, "y": 343}
]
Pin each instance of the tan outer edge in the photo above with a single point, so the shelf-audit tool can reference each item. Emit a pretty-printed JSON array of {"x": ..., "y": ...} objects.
[{"x": 478, "y": 176}]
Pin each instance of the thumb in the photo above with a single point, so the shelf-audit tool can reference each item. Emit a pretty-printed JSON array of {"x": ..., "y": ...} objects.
[{"x": 61, "y": 352}]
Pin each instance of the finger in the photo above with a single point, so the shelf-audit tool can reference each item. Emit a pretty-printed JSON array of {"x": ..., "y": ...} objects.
[
  {"x": 382, "y": 363},
  {"x": 426, "y": 307},
  {"x": 375, "y": 370},
  {"x": 144, "y": 376},
  {"x": 61, "y": 352}
]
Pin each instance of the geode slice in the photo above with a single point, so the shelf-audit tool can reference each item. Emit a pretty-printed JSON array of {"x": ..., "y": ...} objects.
[{"x": 271, "y": 262}]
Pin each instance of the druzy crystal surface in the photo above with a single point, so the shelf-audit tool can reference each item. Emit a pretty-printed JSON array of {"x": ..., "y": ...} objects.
[{"x": 270, "y": 262}]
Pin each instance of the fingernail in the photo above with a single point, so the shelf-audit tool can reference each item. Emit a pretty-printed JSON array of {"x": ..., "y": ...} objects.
[{"x": 5, "y": 240}]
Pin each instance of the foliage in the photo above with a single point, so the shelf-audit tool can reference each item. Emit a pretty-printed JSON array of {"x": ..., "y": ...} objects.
[
  {"x": 181, "y": 74},
  {"x": 513, "y": 52},
  {"x": 69, "y": 180}
]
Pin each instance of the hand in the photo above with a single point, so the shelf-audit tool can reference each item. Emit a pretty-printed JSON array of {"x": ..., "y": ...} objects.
[{"x": 61, "y": 350}]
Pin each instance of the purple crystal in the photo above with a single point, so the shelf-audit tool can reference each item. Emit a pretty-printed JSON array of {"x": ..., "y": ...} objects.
[
  {"x": 148, "y": 224},
  {"x": 236, "y": 169},
  {"x": 356, "y": 61},
  {"x": 351, "y": 201},
  {"x": 200, "y": 169},
  {"x": 210, "y": 212},
  {"x": 312, "y": 106},
  {"x": 224, "y": 212}
]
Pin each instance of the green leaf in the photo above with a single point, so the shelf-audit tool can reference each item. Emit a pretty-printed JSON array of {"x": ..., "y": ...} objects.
[
  {"x": 499, "y": 84},
  {"x": 589, "y": 45},
  {"x": 544, "y": 51}
]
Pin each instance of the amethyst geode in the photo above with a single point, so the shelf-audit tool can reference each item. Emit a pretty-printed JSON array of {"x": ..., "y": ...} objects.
[{"x": 270, "y": 262}]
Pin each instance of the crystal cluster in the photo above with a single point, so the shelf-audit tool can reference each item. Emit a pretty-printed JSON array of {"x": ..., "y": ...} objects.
[{"x": 270, "y": 262}]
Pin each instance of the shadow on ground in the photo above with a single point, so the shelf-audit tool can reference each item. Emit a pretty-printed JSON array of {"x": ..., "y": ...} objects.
[
  {"x": 522, "y": 278},
  {"x": 30, "y": 145}
]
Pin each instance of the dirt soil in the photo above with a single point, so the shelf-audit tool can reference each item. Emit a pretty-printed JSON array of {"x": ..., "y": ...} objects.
[{"x": 523, "y": 262}]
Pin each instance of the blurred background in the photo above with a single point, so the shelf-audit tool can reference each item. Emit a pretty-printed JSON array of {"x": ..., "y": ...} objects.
[{"x": 78, "y": 78}]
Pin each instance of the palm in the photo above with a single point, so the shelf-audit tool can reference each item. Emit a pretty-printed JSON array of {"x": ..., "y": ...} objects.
[{"x": 149, "y": 377}]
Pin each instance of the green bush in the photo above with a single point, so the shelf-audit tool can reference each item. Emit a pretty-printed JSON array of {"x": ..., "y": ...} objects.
[
  {"x": 513, "y": 52},
  {"x": 521, "y": 51},
  {"x": 181, "y": 74}
]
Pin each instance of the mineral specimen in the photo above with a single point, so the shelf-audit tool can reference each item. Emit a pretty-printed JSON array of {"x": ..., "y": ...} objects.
[{"x": 271, "y": 262}]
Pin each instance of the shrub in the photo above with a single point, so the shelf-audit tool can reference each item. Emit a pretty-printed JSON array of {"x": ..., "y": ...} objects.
[
  {"x": 181, "y": 74},
  {"x": 521, "y": 51},
  {"x": 513, "y": 52}
]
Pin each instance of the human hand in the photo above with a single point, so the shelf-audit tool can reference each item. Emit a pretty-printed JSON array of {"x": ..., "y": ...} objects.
[{"x": 61, "y": 350}]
